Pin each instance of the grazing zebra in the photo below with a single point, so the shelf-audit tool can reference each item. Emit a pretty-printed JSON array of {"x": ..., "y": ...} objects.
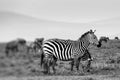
[
  {"x": 34, "y": 46},
  {"x": 31, "y": 46},
  {"x": 67, "y": 50},
  {"x": 13, "y": 46},
  {"x": 38, "y": 44}
]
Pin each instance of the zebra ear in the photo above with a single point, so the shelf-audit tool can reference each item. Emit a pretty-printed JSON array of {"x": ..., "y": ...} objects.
[
  {"x": 94, "y": 31},
  {"x": 90, "y": 31}
]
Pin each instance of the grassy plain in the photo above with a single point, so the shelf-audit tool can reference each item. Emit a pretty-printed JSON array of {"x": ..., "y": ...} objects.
[{"x": 20, "y": 66}]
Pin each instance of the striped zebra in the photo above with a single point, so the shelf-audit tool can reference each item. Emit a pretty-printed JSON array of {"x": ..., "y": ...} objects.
[{"x": 67, "y": 50}]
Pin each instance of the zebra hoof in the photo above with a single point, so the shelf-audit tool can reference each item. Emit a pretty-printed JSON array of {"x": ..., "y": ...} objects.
[
  {"x": 45, "y": 72},
  {"x": 88, "y": 70}
]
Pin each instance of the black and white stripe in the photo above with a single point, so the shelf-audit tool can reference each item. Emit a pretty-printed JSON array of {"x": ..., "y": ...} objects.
[{"x": 65, "y": 49}]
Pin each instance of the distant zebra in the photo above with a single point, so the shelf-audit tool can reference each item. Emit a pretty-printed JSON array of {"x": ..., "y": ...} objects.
[
  {"x": 67, "y": 50},
  {"x": 38, "y": 43},
  {"x": 31, "y": 47},
  {"x": 12, "y": 46},
  {"x": 35, "y": 46}
]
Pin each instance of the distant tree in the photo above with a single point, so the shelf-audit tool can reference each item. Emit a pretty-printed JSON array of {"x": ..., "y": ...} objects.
[
  {"x": 102, "y": 38},
  {"x": 116, "y": 38}
]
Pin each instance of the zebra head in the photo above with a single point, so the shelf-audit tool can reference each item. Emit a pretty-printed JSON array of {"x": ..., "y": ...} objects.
[{"x": 92, "y": 38}]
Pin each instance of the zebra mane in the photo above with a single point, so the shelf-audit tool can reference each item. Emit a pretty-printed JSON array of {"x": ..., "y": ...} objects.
[{"x": 82, "y": 36}]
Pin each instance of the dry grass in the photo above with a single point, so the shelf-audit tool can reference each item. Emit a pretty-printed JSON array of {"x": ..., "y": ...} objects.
[
  {"x": 91, "y": 77},
  {"x": 20, "y": 66}
]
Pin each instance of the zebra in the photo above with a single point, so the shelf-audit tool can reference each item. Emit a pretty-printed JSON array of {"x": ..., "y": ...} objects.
[
  {"x": 31, "y": 47},
  {"x": 38, "y": 44},
  {"x": 35, "y": 45},
  {"x": 13, "y": 46},
  {"x": 67, "y": 50}
]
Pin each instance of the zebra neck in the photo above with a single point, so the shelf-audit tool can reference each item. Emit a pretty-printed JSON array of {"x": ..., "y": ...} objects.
[{"x": 84, "y": 43}]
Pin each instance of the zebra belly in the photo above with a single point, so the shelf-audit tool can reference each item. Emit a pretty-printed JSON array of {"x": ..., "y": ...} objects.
[
  {"x": 61, "y": 58},
  {"x": 64, "y": 56}
]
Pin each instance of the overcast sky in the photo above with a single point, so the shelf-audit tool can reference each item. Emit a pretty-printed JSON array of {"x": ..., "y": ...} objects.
[{"x": 57, "y": 13}]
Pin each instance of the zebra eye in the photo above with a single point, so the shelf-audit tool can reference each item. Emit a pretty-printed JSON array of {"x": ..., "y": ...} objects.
[{"x": 94, "y": 37}]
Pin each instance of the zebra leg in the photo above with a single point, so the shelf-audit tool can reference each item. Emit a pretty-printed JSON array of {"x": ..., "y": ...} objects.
[
  {"x": 51, "y": 63},
  {"x": 77, "y": 63},
  {"x": 7, "y": 52},
  {"x": 88, "y": 66},
  {"x": 54, "y": 64},
  {"x": 48, "y": 61},
  {"x": 27, "y": 49},
  {"x": 53, "y": 67},
  {"x": 35, "y": 49},
  {"x": 45, "y": 66},
  {"x": 54, "y": 70},
  {"x": 48, "y": 68},
  {"x": 72, "y": 64},
  {"x": 15, "y": 49}
]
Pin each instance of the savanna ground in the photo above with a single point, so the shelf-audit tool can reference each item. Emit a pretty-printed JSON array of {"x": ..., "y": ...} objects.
[{"x": 26, "y": 66}]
